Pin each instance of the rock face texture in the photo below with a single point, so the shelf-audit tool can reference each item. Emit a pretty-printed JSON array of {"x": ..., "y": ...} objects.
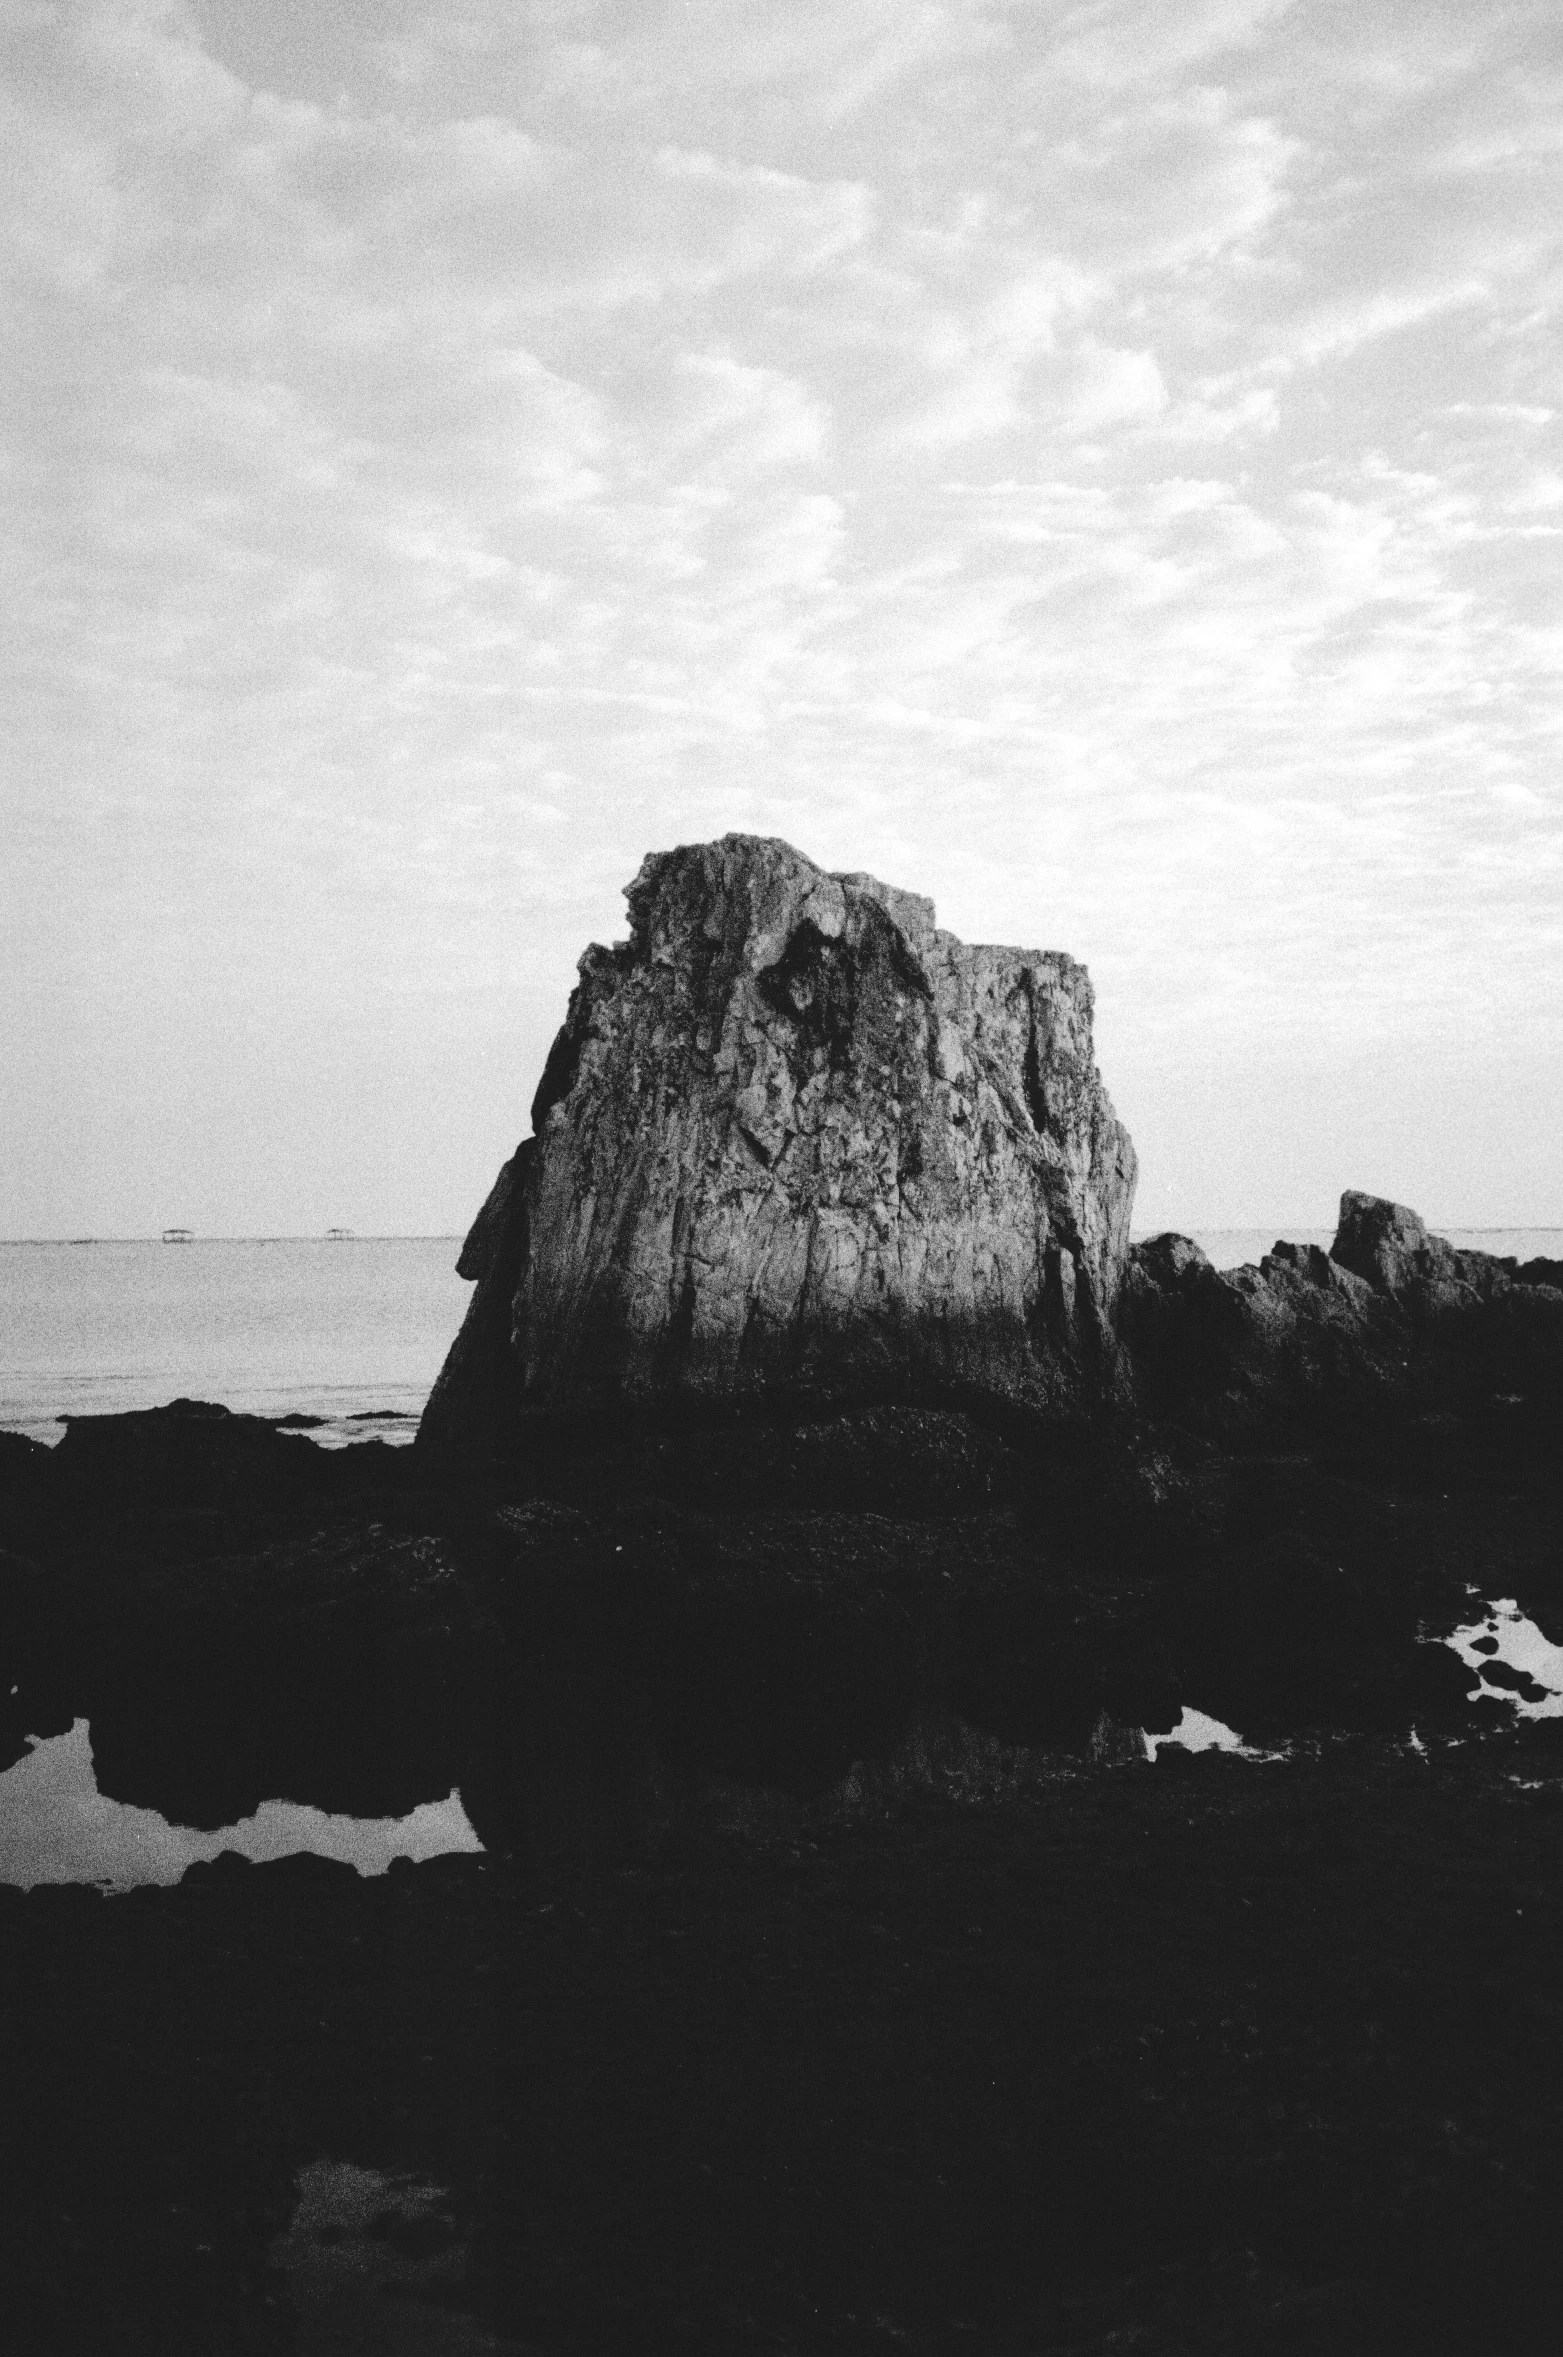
[{"x": 793, "y": 1140}]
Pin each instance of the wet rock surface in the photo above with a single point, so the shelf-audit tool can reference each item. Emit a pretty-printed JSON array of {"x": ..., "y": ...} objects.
[{"x": 795, "y": 1140}]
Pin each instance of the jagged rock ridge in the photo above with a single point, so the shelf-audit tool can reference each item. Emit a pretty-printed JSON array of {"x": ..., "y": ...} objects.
[
  {"x": 794, "y": 1140},
  {"x": 1390, "y": 1319}
]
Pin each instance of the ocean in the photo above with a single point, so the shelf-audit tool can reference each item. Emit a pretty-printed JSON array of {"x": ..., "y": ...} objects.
[{"x": 352, "y": 1331}]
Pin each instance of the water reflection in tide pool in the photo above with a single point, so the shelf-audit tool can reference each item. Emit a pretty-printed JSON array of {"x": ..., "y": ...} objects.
[
  {"x": 55, "y": 1826},
  {"x": 1513, "y": 1659},
  {"x": 1196, "y": 1730}
]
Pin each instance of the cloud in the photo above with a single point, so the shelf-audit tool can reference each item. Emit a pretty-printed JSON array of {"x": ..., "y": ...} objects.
[
  {"x": 1165, "y": 182},
  {"x": 441, "y": 453},
  {"x": 1111, "y": 44},
  {"x": 1113, "y": 387},
  {"x": 769, "y": 219},
  {"x": 750, "y": 418}
]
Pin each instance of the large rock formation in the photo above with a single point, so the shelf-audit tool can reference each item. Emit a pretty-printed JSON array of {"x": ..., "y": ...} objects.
[{"x": 795, "y": 1141}]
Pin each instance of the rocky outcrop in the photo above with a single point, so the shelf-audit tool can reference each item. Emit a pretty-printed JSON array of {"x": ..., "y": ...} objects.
[
  {"x": 1389, "y": 1245},
  {"x": 1231, "y": 1347},
  {"x": 193, "y": 1451},
  {"x": 1390, "y": 1319},
  {"x": 795, "y": 1141}
]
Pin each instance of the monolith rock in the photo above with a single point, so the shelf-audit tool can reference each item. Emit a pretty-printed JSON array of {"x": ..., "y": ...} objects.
[{"x": 794, "y": 1143}]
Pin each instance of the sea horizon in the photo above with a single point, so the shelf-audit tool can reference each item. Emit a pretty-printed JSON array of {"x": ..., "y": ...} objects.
[
  {"x": 1286, "y": 1229},
  {"x": 279, "y": 1236}
]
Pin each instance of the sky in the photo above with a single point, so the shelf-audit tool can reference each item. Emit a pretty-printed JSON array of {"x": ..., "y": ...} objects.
[{"x": 1096, "y": 464}]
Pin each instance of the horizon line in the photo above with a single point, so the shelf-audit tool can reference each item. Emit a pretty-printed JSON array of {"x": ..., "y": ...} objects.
[
  {"x": 297, "y": 1236},
  {"x": 1230, "y": 1227}
]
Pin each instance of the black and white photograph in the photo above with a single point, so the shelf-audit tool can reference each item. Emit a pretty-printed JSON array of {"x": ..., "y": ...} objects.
[{"x": 781, "y": 1178}]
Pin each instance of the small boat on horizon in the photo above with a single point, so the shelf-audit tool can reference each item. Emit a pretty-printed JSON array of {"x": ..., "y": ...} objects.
[
  {"x": 179, "y": 1235},
  {"x": 340, "y": 1236}
]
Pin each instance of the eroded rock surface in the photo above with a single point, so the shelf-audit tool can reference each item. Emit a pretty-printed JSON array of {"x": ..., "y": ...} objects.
[{"x": 795, "y": 1140}]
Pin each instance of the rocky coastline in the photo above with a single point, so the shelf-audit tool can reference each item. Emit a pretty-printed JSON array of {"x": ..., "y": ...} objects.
[{"x": 819, "y": 1505}]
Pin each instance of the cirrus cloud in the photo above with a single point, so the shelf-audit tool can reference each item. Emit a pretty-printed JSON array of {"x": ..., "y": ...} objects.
[{"x": 1101, "y": 463}]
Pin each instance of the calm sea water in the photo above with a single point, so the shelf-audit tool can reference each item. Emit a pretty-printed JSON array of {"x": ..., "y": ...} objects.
[
  {"x": 271, "y": 1326},
  {"x": 289, "y": 1324}
]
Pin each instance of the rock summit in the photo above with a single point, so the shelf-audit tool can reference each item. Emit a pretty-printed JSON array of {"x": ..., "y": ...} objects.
[{"x": 796, "y": 1142}]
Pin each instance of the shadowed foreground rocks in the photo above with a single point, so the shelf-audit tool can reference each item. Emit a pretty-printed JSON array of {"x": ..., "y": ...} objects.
[
  {"x": 1217, "y": 2058},
  {"x": 840, "y": 1972},
  {"x": 583, "y": 1641}
]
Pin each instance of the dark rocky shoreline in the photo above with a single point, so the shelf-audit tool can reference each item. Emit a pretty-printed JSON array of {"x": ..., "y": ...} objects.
[
  {"x": 830, "y": 1982},
  {"x": 1214, "y": 2057}
]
